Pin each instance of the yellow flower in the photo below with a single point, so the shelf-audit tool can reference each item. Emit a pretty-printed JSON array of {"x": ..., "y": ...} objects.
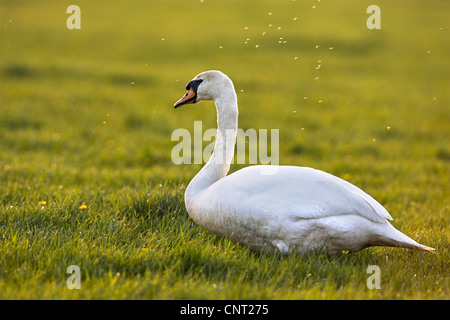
[
  {"x": 347, "y": 176},
  {"x": 83, "y": 207},
  {"x": 345, "y": 251},
  {"x": 42, "y": 203}
]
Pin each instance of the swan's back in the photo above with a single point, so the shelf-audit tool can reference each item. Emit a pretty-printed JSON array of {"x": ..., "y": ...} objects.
[{"x": 299, "y": 192}]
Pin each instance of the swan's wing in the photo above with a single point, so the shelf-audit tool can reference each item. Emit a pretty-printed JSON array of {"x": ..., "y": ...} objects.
[
  {"x": 301, "y": 193},
  {"x": 376, "y": 206}
]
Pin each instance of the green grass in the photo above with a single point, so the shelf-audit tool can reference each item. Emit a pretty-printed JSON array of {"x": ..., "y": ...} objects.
[{"x": 86, "y": 118}]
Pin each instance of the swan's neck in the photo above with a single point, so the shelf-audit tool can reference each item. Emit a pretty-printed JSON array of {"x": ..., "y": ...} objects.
[{"x": 219, "y": 164}]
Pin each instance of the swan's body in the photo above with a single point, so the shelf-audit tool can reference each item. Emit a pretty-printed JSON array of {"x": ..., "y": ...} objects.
[{"x": 289, "y": 209}]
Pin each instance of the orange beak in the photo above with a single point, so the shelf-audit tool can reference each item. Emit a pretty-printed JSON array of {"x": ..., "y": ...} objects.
[{"x": 189, "y": 97}]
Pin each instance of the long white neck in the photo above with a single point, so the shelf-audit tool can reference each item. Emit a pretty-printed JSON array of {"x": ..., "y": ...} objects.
[{"x": 219, "y": 164}]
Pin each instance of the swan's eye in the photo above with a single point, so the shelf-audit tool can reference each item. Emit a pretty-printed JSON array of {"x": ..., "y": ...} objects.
[{"x": 194, "y": 84}]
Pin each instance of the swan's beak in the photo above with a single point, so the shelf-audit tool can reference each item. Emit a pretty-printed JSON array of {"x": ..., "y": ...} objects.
[{"x": 189, "y": 97}]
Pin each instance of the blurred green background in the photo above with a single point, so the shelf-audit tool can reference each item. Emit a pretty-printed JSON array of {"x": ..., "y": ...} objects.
[{"x": 86, "y": 117}]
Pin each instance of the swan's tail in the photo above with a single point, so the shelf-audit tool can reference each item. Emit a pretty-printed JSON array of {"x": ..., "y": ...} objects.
[{"x": 394, "y": 238}]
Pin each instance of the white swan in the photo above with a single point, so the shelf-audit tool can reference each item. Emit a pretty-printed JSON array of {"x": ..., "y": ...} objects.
[{"x": 295, "y": 209}]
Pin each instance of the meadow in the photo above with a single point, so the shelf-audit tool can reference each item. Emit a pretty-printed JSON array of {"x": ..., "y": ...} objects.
[{"x": 86, "y": 117}]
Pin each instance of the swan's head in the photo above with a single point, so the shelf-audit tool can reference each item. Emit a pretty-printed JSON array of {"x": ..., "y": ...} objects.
[{"x": 208, "y": 85}]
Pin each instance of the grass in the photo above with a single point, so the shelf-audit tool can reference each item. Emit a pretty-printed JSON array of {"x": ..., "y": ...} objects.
[{"x": 86, "y": 117}]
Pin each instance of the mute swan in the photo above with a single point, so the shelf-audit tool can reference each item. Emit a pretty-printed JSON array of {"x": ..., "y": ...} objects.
[{"x": 292, "y": 210}]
